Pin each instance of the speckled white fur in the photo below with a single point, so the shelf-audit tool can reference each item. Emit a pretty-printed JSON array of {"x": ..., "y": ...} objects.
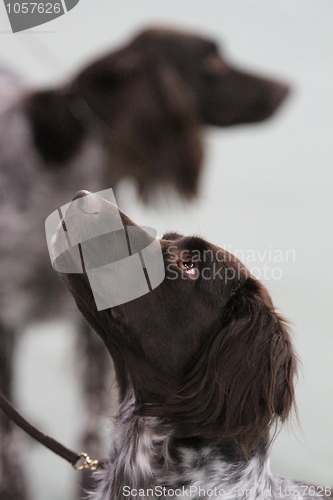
[{"x": 140, "y": 467}]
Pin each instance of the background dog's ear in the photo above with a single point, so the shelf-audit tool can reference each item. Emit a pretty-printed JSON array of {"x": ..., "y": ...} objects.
[
  {"x": 56, "y": 132},
  {"x": 170, "y": 134},
  {"x": 242, "y": 382}
]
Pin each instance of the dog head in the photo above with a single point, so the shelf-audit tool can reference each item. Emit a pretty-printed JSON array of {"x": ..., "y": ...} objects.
[
  {"x": 206, "y": 344},
  {"x": 148, "y": 101}
]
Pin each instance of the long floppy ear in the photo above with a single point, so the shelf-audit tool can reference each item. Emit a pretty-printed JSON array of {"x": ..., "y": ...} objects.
[
  {"x": 55, "y": 131},
  {"x": 170, "y": 134},
  {"x": 242, "y": 382}
]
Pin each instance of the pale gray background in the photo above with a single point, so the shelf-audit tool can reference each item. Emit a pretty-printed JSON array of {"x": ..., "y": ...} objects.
[{"x": 267, "y": 187}]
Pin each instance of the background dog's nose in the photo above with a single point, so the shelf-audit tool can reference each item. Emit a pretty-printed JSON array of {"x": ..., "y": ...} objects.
[
  {"x": 280, "y": 92},
  {"x": 81, "y": 194}
]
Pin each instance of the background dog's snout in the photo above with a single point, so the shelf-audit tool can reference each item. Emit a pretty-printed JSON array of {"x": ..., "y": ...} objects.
[{"x": 81, "y": 194}]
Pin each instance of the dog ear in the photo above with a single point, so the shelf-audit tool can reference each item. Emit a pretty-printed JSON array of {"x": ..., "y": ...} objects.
[
  {"x": 242, "y": 382},
  {"x": 171, "y": 138},
  {"x": 55, "y": 131}
]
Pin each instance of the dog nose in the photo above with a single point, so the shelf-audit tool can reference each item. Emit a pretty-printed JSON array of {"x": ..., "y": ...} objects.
[
  {"x": 280, "y": 92},
  {"x": 81, "y": 194},
  {"x": 86, "y": 202}
]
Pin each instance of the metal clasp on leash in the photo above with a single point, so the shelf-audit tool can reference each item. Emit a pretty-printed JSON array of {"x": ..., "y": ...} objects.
[{"x": 85, "y": 462}]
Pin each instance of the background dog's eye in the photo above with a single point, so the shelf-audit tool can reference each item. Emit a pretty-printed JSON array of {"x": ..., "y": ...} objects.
[
  {"x": 187, "y": 266},
  {"x": 214, "y": 65}
]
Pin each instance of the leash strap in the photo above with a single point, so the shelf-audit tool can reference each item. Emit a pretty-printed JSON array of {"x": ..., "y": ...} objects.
[{"x": 79, "y": 461}]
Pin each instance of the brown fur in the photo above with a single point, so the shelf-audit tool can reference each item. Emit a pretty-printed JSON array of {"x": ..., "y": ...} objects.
[
  {"x": 207, "y": 356},
  {"x": 211, "y": 351}
]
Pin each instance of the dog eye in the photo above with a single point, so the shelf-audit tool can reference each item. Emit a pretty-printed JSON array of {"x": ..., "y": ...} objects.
[{"x": 187, "y": 265}]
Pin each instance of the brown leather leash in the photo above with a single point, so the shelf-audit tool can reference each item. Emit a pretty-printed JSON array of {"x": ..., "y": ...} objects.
[{"x": 79, "y": 461}]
